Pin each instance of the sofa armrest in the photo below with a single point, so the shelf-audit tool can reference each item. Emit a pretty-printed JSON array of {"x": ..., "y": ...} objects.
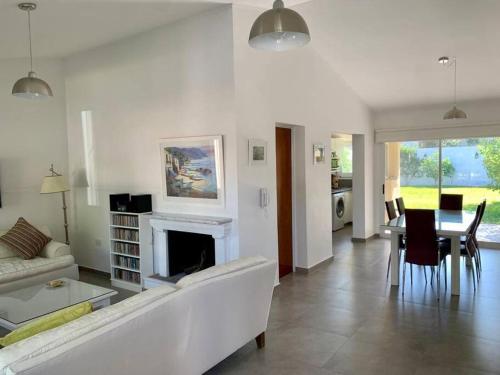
[{"x": 55, "y": 249}]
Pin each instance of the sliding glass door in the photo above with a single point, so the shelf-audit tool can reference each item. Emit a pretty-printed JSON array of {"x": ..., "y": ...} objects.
[{"x": 419, "y": 171}]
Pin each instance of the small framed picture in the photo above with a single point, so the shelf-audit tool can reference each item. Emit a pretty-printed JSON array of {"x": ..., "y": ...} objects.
[
  {"x": 318, "y": 153},
  {"x": 257, "y": 152}
]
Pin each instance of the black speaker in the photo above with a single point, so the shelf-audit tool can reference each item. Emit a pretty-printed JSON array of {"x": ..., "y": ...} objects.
[
  {"x": 119, "y": 202},
  {"x": 140, "y": 203}
]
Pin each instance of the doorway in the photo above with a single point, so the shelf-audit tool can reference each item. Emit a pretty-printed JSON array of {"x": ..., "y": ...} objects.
[{"x": 284, "y": 185}]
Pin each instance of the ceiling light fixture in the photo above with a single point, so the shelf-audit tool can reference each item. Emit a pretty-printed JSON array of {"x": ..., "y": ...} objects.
[
  {"x": 454, "y": 113},
  {"x": 279, "y": 29},
  {"x": 31, "y": 87}
]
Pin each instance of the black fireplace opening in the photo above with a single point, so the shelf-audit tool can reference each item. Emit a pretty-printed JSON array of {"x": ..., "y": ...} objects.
[{"x": 189, "y": 252}]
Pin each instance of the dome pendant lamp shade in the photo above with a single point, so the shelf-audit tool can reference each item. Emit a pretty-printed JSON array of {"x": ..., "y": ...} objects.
[
  {"x": 279, "y": 29},
  {"x": 454, "y": 113},
  {"x": 31, "y": 87}
]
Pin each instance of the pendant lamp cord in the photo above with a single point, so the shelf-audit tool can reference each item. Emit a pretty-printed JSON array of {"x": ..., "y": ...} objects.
[
  {"x": 455, "y": 79},
  {"x": 29, "y": 32}
]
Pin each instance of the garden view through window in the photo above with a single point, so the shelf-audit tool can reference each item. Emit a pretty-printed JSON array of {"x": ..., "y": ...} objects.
[{"x": 470, "y": 167}]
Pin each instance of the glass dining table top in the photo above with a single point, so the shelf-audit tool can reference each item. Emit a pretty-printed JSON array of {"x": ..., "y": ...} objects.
[
  {"x": 447, "y": 222},
  {"x": 25, "y": 304}
]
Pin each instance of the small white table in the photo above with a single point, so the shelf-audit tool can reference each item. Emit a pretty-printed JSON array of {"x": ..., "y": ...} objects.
[
  {"x": 449, "y": 224},
  {"x": 24, "y": 305}
]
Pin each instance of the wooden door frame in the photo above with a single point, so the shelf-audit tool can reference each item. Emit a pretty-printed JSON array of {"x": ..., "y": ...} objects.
[{"x": 294, "y": 191}]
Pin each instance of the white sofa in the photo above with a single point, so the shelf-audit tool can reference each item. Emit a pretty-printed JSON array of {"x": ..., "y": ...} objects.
[
  {"x": 186, "y": 329},
  {"x": 54, "y": 261}
]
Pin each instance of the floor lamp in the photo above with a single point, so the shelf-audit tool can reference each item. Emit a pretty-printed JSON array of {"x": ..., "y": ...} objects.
[{"x": 56, "y": 183}]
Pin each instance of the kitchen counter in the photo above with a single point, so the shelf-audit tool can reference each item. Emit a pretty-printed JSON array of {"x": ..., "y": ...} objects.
[{"x": 341, "y": 190}]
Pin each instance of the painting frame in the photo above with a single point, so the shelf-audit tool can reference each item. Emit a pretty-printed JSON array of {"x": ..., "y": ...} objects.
[
  {"x": 257, "y": 152},
  {"x": 319, "y": 153},
  {"x": 193, "y": 185}
]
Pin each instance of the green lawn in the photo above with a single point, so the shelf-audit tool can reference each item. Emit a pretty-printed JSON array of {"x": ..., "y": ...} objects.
[{"x": 427, "y": 197}]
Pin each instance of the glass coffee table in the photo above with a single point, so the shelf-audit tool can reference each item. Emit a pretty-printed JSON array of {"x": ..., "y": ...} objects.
[{"x": 23, "y": 305}]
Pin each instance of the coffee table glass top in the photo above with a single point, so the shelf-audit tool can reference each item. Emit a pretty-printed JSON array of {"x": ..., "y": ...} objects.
[{"x": 25, "y": 304}]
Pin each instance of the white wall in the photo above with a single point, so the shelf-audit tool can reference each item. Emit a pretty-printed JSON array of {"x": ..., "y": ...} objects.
[
  {"x": 298, "y": 88},
  {"x": 32, "y": 136},
  {"x": 174, "y": 81}
]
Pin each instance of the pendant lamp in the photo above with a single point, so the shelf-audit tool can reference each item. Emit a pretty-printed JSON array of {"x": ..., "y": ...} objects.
[
  {"x": 31, "y": 87},
  {"x": 279, "y": 29},
  {"x": 454, "y": 113}
]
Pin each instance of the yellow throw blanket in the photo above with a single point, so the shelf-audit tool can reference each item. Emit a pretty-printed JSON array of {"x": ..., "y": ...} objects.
[{"x": 47, "y": 322}]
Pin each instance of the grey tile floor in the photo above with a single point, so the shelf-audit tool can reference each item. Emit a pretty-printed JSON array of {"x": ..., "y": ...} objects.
[{"x": 345, "y": 318}]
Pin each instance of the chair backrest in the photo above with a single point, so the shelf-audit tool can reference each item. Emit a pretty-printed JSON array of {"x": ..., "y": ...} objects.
[
  {"x": 401, "y": 205},
  {"x": 451, "y": 202},
  {"x": 469, "y": 238},
  {"x": 483, "y": 208},
  {"x": 391, "y": 210},
  {"x": 421, "y": 238}
]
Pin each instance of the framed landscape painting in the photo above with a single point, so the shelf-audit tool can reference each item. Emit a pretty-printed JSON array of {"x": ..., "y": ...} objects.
[{"x": 193, "y": 170}]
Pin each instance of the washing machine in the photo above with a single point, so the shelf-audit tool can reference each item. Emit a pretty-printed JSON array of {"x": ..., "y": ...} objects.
[{"x": 338, "y": 211}]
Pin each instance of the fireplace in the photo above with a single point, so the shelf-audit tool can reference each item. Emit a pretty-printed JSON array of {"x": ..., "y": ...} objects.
[
  {"x": 185, "y": 243},
  {"x": 189, "y": 252}
]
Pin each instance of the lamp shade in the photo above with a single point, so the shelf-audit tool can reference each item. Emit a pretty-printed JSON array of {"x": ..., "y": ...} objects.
[
  {"x": 31, "y": 87},
  {"x": 54, "y": 184},
  {"x": 454, "y": 113},
  {"x": 279, "y": 29}
]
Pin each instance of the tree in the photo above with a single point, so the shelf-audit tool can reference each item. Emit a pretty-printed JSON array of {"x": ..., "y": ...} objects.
[
  {"x": 409, "y": 162},
  {"x": 430, "y": 167},
  {"x": 490, "y": 151}
]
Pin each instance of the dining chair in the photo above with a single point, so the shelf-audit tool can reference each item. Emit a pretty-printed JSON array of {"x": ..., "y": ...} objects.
[
  {"x": 391, "y": 210},
  {"x": 391, "y": 214},
  {"x": 401, "y": 205},
  {"x": 468, "y": 248},
  {"x": 451, "y": 202},
  {"x": 473, "y": 240},
  {"x": 422, "y": 247}
]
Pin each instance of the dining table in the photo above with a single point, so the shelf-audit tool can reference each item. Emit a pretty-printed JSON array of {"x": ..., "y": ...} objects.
[{"x": 449, "y": 224}]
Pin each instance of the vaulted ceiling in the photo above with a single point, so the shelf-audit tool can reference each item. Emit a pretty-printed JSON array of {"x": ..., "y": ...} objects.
[{"x": 386, "y": 50}]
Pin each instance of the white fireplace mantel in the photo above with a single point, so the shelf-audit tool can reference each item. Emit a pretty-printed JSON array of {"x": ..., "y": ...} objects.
[{"x": 217, "y": 227}]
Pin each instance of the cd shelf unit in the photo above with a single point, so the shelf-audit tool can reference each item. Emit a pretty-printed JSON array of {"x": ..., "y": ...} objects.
[{"x": 131, "y": 252}]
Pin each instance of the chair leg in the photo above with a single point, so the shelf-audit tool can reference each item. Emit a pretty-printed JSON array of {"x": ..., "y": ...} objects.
[
  {"x": 445, "y": 275},
  {"x": 478, "y": 270},
  {"x": 473, "y": 276},
  {"x": 388, "y": 266},
  {"x": 438, "y": 279},
  {"x": 432, "y": 275},
  {"x": 425, "y": 275},
  {"x": 404, "y": 276},
  {"x": 411, "y": 274}
]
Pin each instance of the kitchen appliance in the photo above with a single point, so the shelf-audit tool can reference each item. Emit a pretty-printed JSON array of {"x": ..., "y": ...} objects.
[
  {"x": 335, "y": 162},
  {"x": 338, "y": 211}
]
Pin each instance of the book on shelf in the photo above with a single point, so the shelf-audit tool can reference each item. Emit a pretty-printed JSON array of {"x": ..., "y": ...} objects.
[
  {"x": 126, "y": 234},
  {"x": 125, "y": 275},
  {"x": 126, "y": 248},
  {"x": 125, "y": 220},
  {"x": 132, "y": 263}
]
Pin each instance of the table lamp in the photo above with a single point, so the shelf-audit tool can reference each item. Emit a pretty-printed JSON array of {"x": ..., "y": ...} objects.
[{"x": 56, "y": 183}]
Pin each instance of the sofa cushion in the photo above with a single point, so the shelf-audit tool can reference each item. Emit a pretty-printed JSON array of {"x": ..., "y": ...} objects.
[
  {"x": 5, "y": 252},
  {"x": 49, "y": 340},
  {"x": 17, "y": 268},
  {"x": 24, "y": 239},
  {"x": 55, "y": 249},
  {"x": 220, "y": 269},
  {"x": 47, "y": 322}
]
